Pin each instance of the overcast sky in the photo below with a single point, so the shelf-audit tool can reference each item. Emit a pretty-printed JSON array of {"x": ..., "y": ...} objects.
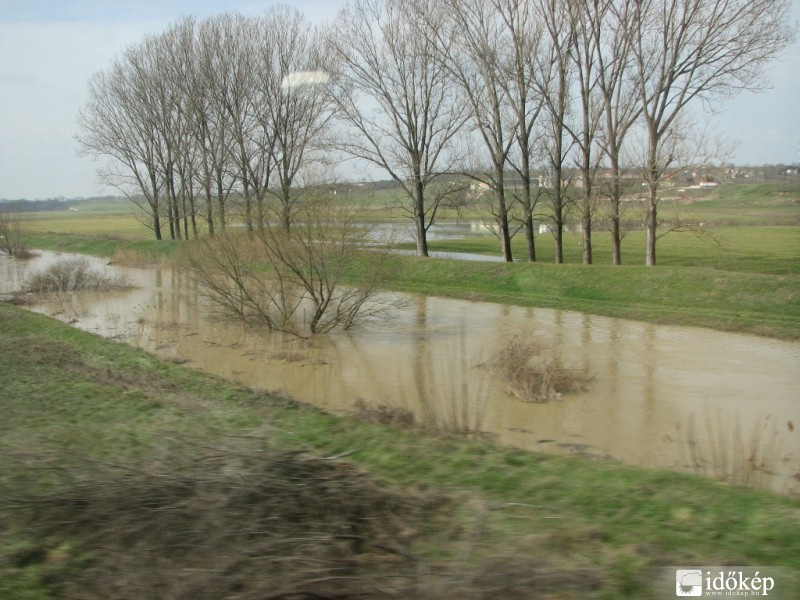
[{"x": 50, "y": 48}]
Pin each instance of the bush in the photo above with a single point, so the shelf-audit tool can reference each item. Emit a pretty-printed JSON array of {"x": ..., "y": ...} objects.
[
  {"x": 292, "y": 280},
  {"x": 11, "y": 235},
  {"x": 73, "y": 275},
  {"x": 532, "y": 374}
]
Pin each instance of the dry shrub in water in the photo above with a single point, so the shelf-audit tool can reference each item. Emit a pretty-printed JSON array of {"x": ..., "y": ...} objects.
[
  {"x": 292, "y": 280},
  {"x": 533, "y": 374},
  {"x": 73, "y": 275},
  {"x": 727, "y": 453}
]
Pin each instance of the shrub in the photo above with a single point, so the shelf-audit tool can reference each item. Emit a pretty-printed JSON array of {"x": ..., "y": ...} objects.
[
  {"x": 12, "y": 228},
  {"x": 292, "y": 280},
  {"x": 73, "y": 275},
  {"x": 533, "y": 374}
]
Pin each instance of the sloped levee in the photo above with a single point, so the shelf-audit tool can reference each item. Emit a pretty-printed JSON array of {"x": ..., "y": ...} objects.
[{"x": 718, "y": 403}]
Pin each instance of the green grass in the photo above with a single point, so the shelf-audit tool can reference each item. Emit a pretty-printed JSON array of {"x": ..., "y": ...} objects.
[
  {"x": 752, "y": 287},
  {"x": 735, "y": 278},
  {"x": 761, "y": 303},
  {"x": 74, "y": 398},
  {"x": 152, "y": 250},
  {"x": 774, "y": 250},
  {"x": 92, "y": 218}
]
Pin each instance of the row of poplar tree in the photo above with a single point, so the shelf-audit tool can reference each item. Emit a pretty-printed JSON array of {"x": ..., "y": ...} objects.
[{"x": 236, "y": 114}]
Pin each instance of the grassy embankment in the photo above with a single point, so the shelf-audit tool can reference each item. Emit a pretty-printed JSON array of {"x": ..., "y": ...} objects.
[
  {"x": 752, "y": 286},
  {"x": 744, "y": 276},
  {"x": 127, "y": 477},
  {"x": 118, "y": 466}
]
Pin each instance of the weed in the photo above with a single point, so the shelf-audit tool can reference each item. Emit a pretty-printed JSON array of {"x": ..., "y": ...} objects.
[
  {"x": 533, "y": 374},
  {"x": 72, "y": 275},
  {"x": 729, "y": 455},
  {"x": 128, "y": 256}
]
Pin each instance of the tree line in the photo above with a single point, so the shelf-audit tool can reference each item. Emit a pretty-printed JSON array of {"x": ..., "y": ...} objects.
[{"x": 245, "y": 114}]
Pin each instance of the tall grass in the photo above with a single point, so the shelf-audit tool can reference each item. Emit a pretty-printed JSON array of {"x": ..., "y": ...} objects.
[
  {"x": 453, "y": 401},
  {"x": 729, "y": 452}
]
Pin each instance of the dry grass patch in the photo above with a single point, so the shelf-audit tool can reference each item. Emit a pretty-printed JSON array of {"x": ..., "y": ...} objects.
[
  {"x": 73, "y": 275},
  {"x": 532, "y": 373},
  {"x": 203, "y": 522},
  {"x": 729, "y": 452}
]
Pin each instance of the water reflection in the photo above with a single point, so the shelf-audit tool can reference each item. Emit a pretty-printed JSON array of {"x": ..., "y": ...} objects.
[{"x": 649, "y": 380}]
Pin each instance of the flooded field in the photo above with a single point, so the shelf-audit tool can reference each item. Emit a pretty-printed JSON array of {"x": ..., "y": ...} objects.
[{"x": 660, "y": 396}]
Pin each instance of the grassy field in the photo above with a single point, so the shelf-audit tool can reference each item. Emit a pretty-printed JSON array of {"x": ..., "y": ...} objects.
[
  {"x": 774, "y": 250},
  {"x": 126, "y": 477},
  {"x": 760, "y": 303},
  {"x": 753, "y": 286},
  {"x": 117, "y": 220}
]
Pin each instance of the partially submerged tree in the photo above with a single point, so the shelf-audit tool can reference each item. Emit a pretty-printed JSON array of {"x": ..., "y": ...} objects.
[
  {"x": 292, "y": 281},
  {"x": 12, "y": 232}
]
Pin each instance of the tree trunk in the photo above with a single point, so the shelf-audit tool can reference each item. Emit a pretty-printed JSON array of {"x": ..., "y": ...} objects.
[
  {"x": 419, "y": 217},
  {"x": 586, "y": 225},
  {"x": 529, "y": 239},
  {"x": 502, "y": 214},
  {"x": 528, "y": 209},
  {"x": 651, "y": 222},
  {"x": 616, "y": 239},
  {"x": 558, "y": 217}
]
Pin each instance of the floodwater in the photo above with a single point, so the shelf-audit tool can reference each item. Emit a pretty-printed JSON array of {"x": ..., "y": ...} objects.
[{"x": 661, "y": 396}]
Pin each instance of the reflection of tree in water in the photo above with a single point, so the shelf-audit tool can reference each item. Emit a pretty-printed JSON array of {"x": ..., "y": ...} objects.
[{"x": 451, "y": 399}]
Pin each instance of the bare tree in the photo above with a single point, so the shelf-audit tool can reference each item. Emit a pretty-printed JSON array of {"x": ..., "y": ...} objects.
[
  {"x": 523, "y": 84},
  {"x": 231, "y": 83},
  {"x": 556, "y": 84},
  {"x": 696, "y": 51},
  {"x": 211, "y": 132},
  {"x": 12, "y": 234},
  {"x": 292, "y": 281},
  {"x": 618, "y": 90},
  {"x": 173, "y": 59},
  {"x": 583, "y": 20},
  {"x": 396, "y": 98},
  {"x": 475, "y": 46},
  {"x": 116, "y": 122},
  {"x": 296, "y": 100}
]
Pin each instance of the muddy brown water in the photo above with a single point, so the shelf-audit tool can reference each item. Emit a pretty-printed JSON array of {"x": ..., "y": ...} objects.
[{"x": 652, "y": 384}]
